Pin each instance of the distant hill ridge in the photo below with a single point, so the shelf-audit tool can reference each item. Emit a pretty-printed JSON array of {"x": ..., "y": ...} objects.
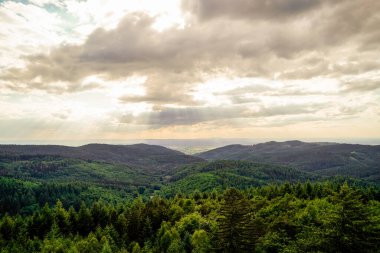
[
  {"x": 324, "y": 158},
  {"x": 321, "y": 158},
  {"x": 141, "y": 155}
]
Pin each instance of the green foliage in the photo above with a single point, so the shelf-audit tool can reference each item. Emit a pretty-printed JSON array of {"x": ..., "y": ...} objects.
[
  {"x": 310, "y": 217},
  {"x": 29, "y": 182},
  {"x": 325, "y": 159},
  {"x": 233, "y": 231},
  {"x": 350, "y": 223},
  {"x": 116, "y": 208},
  {"x": 219, "y": 175},
  {"x": 200, "y": 241}
]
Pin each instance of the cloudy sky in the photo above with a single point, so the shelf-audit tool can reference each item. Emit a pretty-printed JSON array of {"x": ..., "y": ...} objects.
[{"x": 136, "y": 69}]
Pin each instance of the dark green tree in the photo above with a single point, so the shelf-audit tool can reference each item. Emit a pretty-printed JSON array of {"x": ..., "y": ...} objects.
[
  {"x": 84, "y": 220},
  {"x": 349, "y": 227},
  {"x": 233, "y": 223}
]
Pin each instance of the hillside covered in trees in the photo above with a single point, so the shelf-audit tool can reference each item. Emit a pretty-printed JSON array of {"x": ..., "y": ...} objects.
[
  {"x": 322, "y": 158},
  {"x": 27, "y": 183},
  {"x": 54, "y": 201},
  {"x": 143, "y": 156}
]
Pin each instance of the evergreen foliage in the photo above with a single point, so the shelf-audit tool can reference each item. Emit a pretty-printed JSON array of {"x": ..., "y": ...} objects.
[{"x": 309, "y": 217}]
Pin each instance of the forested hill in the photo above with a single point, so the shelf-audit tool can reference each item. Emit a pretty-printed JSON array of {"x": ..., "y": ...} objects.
[
  {"x": 218, "y": 175},
  {"x": 90, "y": 199},
  {"x": 330, "y": 159},
  {"x": 151, "y": 157}
]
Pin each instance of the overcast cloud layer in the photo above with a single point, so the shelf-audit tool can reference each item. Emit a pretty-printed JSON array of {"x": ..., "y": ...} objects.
[{"x": 189, "y": 69}]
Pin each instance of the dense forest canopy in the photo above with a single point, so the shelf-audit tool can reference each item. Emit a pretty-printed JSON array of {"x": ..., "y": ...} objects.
[
  {"x": 310, "y": 217},
  {"x": 59, "y": 203}
]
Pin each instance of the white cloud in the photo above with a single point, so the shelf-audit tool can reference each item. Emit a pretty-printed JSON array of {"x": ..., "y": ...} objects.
[
  {"x": 198, "y": 68},
  {"x": 26, "y": 29}
]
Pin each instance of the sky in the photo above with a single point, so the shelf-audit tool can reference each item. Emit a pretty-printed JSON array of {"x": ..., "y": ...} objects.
[{"x": 102, "y": 70}]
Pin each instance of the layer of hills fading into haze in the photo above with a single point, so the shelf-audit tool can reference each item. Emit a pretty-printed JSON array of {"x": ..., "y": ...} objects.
[
  {"x": 320, "y": 158},
  {"x": 124, "y": 191}
]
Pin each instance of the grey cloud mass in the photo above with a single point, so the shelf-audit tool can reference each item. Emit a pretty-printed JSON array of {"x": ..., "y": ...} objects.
[
  {"x": 247, "y": 47},
  {"x": 195, "y": 115},
  {"x": 274, "y": 9}
]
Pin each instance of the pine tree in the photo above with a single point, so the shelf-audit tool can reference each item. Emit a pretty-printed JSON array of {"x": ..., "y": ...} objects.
[
  {"x": 349, "y": 225},
  {"x": 147, "y": 228},
  {"x": 233, "y": 236},
  {"x": 121, "y": 227},
  {"x": 136, "y": 221},
  {"x": 61, "y": 217},
  {"x": 106, "y": 248},
  {"x": 7, "y": 227},
  {"x": 99, "y": 214},
  {"x": 84, "y": 221},
  {"x": 298, "y": 191},
  {"x": 136, "y": 248}
]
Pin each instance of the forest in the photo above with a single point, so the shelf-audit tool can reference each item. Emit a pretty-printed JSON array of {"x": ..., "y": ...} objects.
[
  {"x": 53, "y": 199},
  {"x": 307, "y": 217}
]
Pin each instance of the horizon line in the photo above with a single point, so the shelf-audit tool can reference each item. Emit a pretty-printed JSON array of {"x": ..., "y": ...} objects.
[{"x": 192, "y": 142}]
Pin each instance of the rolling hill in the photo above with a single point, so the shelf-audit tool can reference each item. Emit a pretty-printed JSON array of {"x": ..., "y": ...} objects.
[
  {"x": 151, "y": 158},
  {"x": 329, "y": 159},
  {"x": 30, "y": 179},
  {"x": 31, "y": 175},
  {"x": 222, "y": 174}
]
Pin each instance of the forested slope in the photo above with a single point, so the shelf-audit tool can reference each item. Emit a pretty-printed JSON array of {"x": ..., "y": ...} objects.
[
  {"x": 330, "y": 159},
  {"x": 225, "y": 173},
  {"x": 27, "y": 183},
  {"x": 149, "y": 157},
  {"x": 56, "y": 202}
]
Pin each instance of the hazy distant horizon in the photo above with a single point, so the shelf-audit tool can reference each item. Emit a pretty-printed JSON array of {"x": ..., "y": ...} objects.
[{"x": 192, "y": 142}]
